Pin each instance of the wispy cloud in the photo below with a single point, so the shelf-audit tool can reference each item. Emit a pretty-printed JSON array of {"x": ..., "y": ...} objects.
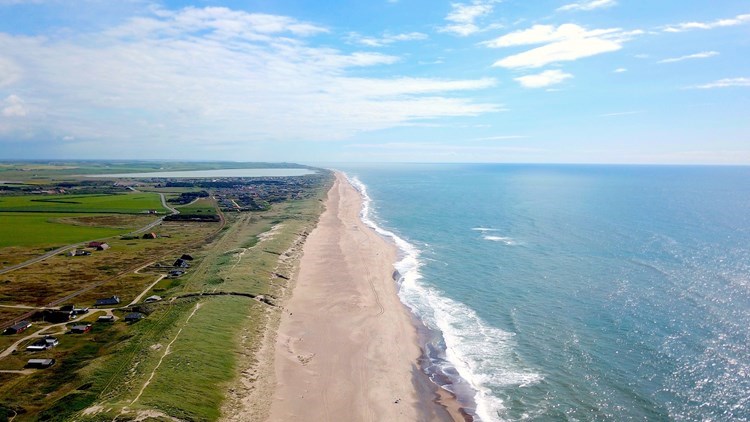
[
  {"x": 462, "y": 20},
  {"x": 544, "y": 79},
  {"x": 501, "y": 138},
  {"x": 622, "y": 113},
  {"x": 724, "y": 83},
  {"x": 385, "y": 39},
  {"x": 587, "y": 5},
  {"x": 199, "y": 75},
  {"x": 566, "y": 42},
  {"x": 701, "y": 55},
  {"x": 687, "y": 26},
  {"x": 620, "y": 70},
  {"x": 13, "y": 106}
]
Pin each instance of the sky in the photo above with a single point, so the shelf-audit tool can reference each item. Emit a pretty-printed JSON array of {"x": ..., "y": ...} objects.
[{"x": 517, "y": 81}]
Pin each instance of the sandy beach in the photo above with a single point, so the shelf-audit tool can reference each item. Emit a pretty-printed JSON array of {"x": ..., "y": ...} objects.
[{"x": 346, "y": 348}]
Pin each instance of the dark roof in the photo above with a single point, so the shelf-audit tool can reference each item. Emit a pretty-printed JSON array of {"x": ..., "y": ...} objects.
[
  {"x": 134, "y": 316},
  {"x": 21, "y": 325},
  {"x": 40, "y": 363},
  {"x": 180, "y": 263},
  {"x": 83, "y": 327},
  {"x": 186, "y": 257},
  {"x": 114, "y": 300}
]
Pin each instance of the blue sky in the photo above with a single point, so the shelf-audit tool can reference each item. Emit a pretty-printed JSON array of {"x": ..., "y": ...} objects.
[{"x": 572, "y": 81}]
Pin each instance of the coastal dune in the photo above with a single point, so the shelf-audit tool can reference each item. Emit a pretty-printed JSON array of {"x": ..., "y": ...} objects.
[{"x": 346, "y": 348}]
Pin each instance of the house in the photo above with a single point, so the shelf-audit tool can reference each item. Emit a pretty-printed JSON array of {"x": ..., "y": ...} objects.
[
  {"x": 43, "y": 344},
  {"x": 134, "y": 317},
  {"x": 18, "y": 328},
  {"x": 186, "y": 257},
  {"x": 150, "y": 235},
  {"x": 102, "y": 247},
  {"x": 37, "y": 346},
  {"x": 181, "y": 263},
  {"x": 40, "y": 363},
  {"x": 106, "y": 318},
  {"x": 79, "y": 311},
  {"x": 79, "y": 252},
  {"x": 95, "y": 244},
  {"x": 108, "y": 301},
  {"x": 176, "y": 273},
  {"x": 54, "y": 316},
  {"x": 151, "y": 299},
  {"x": 80, "y": 329},
  {"x": 67, "y": 308}
]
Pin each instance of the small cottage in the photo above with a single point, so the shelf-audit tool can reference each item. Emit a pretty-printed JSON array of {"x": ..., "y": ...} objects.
[
  {"x": 153, "y": 298},
  {"x": 79, "y": 252},
  {"x": 37, "y": 346},
  {"x": 40, "y": 363},
  {"x": 181, "y": 263},
  {"x": 134, "y": 317},
  {"x": 80, "y": 329},
  {"x": 107, "y": 301},
  {"x": 18, "y": 327},
  {"x": 102, "y": 247},
  {"x": 186, "y": 257},
  {"x": 106, "y": 318},
  {"x": 149, "y": 236}
]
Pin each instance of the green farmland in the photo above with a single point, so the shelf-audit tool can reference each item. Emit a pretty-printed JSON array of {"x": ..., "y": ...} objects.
[
  {"x": 200, "y": 206},
  {"x": 55, "y": 229},
  {"x": 129, "y": 203}
]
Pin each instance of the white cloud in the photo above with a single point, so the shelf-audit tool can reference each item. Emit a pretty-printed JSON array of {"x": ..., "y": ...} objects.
[
  {"x": 588, "y": 5},
  {"x": 14, "y": 106},
  {"x": 622, "y": 113},
  {"x": 701, "y": 55},
  {"x": 464, "y": 16},
  {"x": 563, "y": 43},
  {"x": 620, "y": 70},
  {"x": 198, "y": 76},
  {"x": 687, "y": 26},
  {"x": 10, "y": 72},
  {"x": 560, "y": 51},
  {"x": 725, "y": 83},
  {"x": 385, "y": 39},
  {"x": 501, "y": 138},
  {"x": 539, "y": 34},
  {"x": 544, "y": 79}
]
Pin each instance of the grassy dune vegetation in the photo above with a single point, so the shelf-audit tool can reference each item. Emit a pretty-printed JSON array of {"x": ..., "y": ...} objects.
[{"x": 190, "y": 350}]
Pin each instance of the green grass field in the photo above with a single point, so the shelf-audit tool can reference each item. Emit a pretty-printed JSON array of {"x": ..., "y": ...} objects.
[
  {"x": 38, "y": 229},
  {"x": 203, "y": 206},
  {"x": 130, "y": 203}
]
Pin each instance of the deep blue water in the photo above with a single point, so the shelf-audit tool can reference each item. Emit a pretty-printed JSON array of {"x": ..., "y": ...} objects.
[{"x": 578, "y": 292}]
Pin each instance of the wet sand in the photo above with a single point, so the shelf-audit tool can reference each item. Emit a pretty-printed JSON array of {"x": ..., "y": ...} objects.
[{"x": 347, "y": 348}]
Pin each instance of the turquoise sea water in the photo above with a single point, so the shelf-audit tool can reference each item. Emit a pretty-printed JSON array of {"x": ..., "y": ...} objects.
[{"x": 576, "y": 292}]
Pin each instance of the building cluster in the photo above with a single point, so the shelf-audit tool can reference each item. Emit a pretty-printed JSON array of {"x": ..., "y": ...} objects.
[{"x": 252, "y": 193}]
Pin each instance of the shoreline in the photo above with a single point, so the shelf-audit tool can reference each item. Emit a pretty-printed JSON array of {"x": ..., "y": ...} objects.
[{"x": 346, "y": 345}]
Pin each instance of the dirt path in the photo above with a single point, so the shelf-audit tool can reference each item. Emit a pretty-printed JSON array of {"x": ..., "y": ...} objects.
[{"x": 167, "y": 350}]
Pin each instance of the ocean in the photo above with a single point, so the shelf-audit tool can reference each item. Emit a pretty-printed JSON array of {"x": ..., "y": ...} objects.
[{"x": 568, "y": 292}]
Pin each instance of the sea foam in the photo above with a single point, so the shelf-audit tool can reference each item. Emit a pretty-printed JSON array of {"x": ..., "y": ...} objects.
[{"x": 480, "y": 353}]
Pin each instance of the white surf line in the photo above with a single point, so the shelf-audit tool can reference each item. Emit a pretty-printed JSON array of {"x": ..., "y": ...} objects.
[{"x": 166, "y": 352}]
